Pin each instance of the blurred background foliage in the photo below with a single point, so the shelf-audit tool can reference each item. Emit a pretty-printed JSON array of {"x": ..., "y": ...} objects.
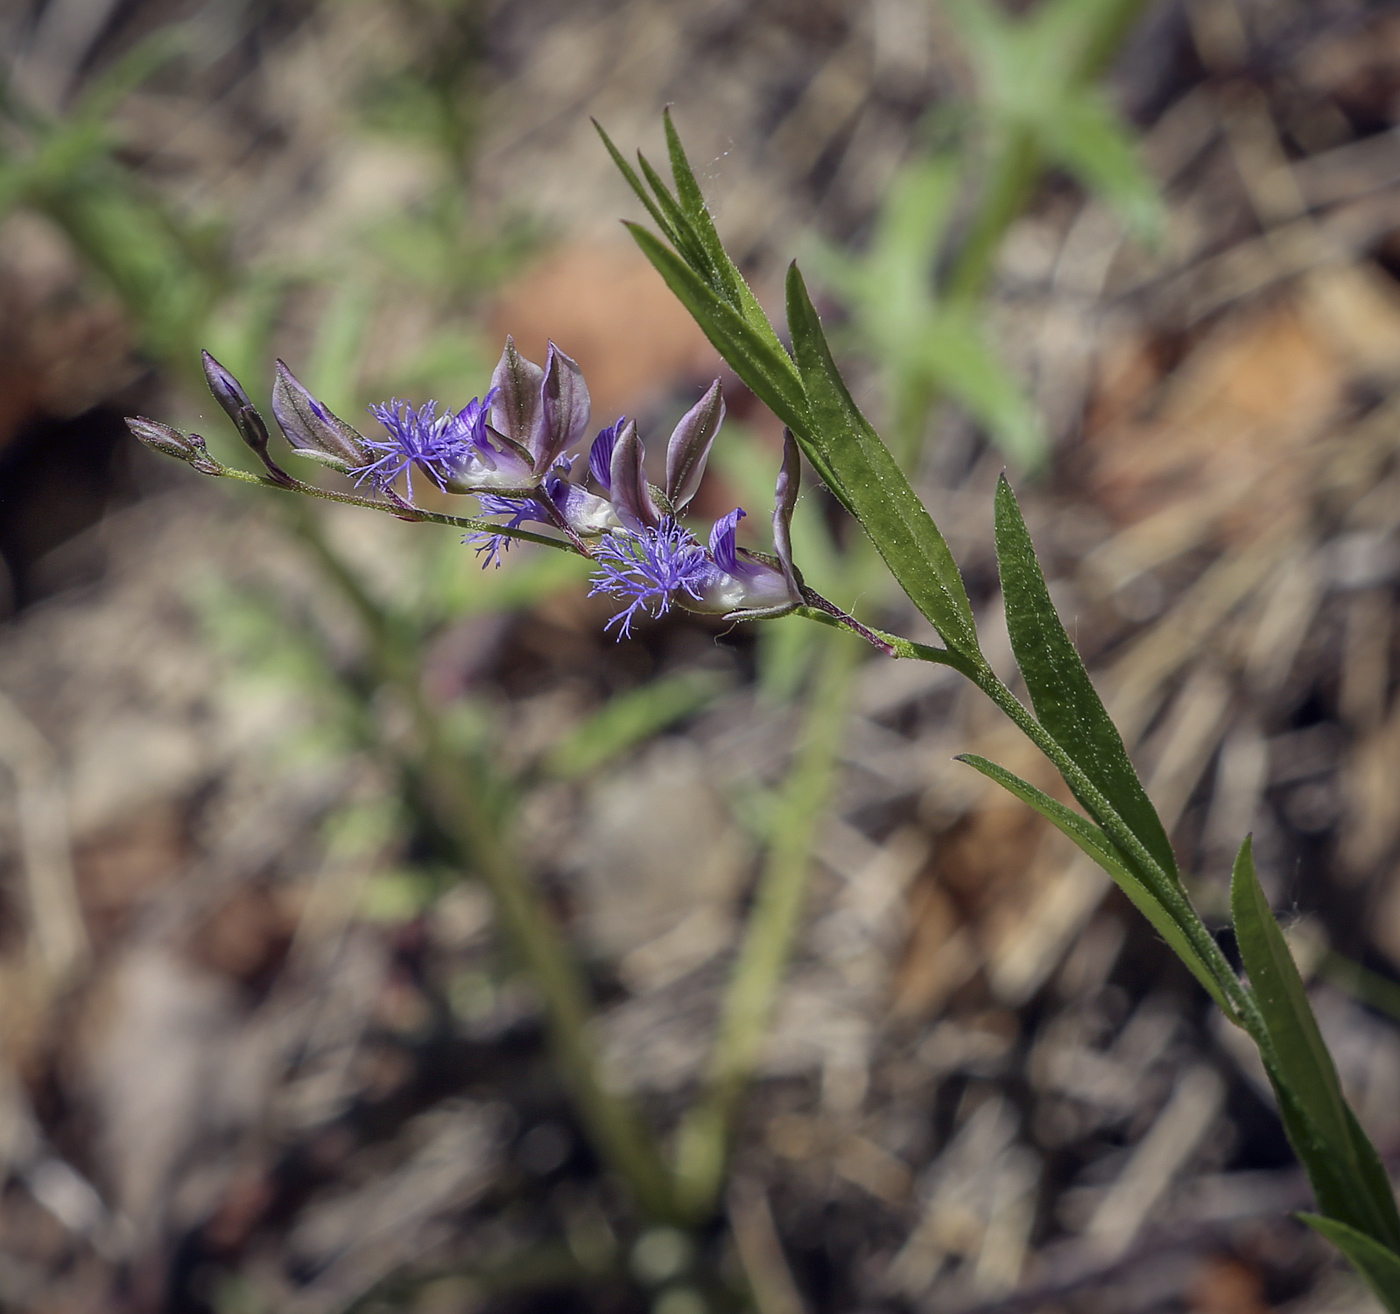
[{"x": 266, "y": 1044}]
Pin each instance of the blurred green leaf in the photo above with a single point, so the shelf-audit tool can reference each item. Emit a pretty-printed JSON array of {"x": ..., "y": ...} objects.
[
  {"x": 1031, "y": 78},
  {"x": 455, "y": 587},
  {"x": 955, "y": 356},
  {"x": 901, "y": 325},
  {"x": 628, "y": 719},
  {"x": 1088, "y": 138},
  {"x": 333, "y": 370}
]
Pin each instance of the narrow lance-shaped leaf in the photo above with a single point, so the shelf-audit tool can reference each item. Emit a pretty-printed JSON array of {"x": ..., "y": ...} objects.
[
  {"x": 635, "y": 183},
  {"x": 692, "y": 203},
  {"x": 1326, "y": 1135},
  {"x": 765, "y": 367},
  {"x": 729, "y": 282},
  {"x": 1092, "y": 841},
  {"x": 870, "y": 484},
  {"x": 687, "y": 241},
  {"x": 1065, "y": 700},
  {"x": 1377, "y": 1264}
]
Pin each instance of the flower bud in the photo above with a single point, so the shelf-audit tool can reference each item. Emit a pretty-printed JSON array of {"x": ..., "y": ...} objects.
[
  {"x": 689, "y": 447},
  {"x": 517, "y": 404},
  {"x": 565, "y": 408},
  {"x": 228, "y": 392},
  {"x": 784, "y": 503},
  {"x": 312, "y": 429},
  {"x": 160, "y": 437},
  {"x": 172, "y": 442},
  {"x": 628, "y": 482}
]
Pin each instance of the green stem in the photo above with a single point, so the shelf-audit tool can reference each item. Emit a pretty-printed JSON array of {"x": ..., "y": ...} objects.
[
  {"x": 1166, "y": 890},
  {"x": 705, "y": 1134},
  {"x": 399, "y": 512}
]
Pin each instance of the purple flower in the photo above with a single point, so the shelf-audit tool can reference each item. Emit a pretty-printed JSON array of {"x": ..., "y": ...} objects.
[
  {"x": 459, "y": 452},
  {"x": 653, "y": 567},
  {"x": 616, "y": 461},
  {"x": 648, "y": 569},
  {"x": 519, "y": 510},
  {"x": 507, "y": 443},
  {"x": 540, "y": 413},
  {"x": 440, "y": 446},
  {"x": 587, "y": 515}
]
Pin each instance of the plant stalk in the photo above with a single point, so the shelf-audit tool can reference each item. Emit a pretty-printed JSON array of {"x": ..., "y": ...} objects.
[
  {"x": 454, "y": 790},
  {"x": 705, "y": 1134}
]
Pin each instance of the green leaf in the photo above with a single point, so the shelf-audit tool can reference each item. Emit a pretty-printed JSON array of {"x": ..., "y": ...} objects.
[
  {"x": 635, "y": 183},
  {"x": 957, "y": 358},
  {"x": 1101, "y": 849},
  {"x": 1088, "y": 138},
  {"x": 1341, "y": 1162},
  {"x": 628, "y": 719},
  {"x": 848, "y": 453},
  {"x": 1065, "y": 700},
  {"x": 764, "y": 366},
  {"x": 684, "y": 239},
  {"x": 692, "y": 203},
  {"x": 1377, "y": 1264}
]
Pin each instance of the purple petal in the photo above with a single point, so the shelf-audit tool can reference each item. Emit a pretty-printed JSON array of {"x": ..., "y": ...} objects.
[
  {"x": 722, "y": 546},
  {"x": 627, "y": 482},
  {"x": 565, "y": 407},
  {"x": 600, "y": 454},
  {"x": 515, "y": 408},
  {"x": 784, "y": 502},
  {"x": 689, "y": 447},
  {"x": 310, "y": 426}
]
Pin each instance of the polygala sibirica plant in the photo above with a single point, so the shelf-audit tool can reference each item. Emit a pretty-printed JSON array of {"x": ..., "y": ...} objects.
[{"x": 518, "y": 450}]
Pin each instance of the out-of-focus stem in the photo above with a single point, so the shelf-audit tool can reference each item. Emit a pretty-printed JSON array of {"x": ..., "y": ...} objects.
[
  {"x": 703, "y": 1142},
  {"x": 455, "y": 795},
  {"x": 1015, "y": 166},
  {"x": 455, "y": 789}
]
